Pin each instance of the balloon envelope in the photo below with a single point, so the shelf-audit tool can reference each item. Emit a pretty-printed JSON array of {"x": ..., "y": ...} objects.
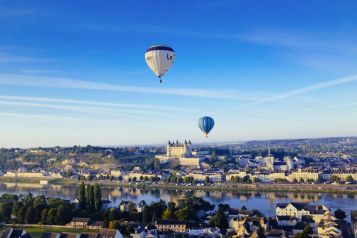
[
  {"x": 206, "y": 124},
  {"x": 159, "y": 58}
]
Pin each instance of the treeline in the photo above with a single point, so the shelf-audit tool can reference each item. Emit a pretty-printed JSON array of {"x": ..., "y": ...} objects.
[
  {"x": 32, "y": 210},
  {"x": 187, "y": 209},
  {"x": 52, "y": 211},
  {"x": 90, "y": 197}
]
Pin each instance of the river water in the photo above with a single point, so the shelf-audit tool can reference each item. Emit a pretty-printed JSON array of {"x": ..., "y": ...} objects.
[{"x": 263, "y": 201}]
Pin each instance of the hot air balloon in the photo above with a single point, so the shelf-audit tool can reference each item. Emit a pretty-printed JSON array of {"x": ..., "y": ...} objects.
[
  {"x": 159, "y": 58},
  {"x": 206, "y": 124}
]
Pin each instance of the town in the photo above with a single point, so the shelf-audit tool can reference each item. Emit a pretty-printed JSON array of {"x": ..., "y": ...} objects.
[
  {"x": 37, "y": 216},
  {"x": 327, "y": 162}
]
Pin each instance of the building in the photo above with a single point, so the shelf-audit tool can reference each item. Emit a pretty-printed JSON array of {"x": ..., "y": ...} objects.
[
  {"x": 234, "y": 174},
  {"x": 171, "y": 226},
  {"x": 109, "y": 233},
  {"x": 201, "y": 176},
  {"x": 181, "y": 152},
  {"x": 144, "y": 232},
  {"x": 204, "y": 232},
  {"x": 327, "y": 227},
  {"x": 85, "y": 223},
  {"x": 246, "y": 226},
  {"x": 14, "y": 233},
  {"x": 298, "y": 210},
  {"x": 304, "y": 175}
]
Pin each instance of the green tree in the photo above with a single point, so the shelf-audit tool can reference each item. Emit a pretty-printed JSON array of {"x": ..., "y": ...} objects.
[
  {"x": 30, "y": 211},
  {"x": 82, "y": 196},
  {"x": 63, "y": 215},
  {"x": 146, "y": 215},
  {"x": 167, "y": 214},
  {"x": 261, "y": 231},
  {"x": 44, "y": 216},
  {"x": 91, "y": 198},
  {"x": 335, "y": 178},
  {"x": 21, "y": 215},
  {"x": 349, "y": 179},
  {"x": 97, "y": 197},
  {"x": 184, "y": 213},
  {"x": 220, "y": 219},
  {"x": 207, "y": 181},
  {"x": 5, "y": 211},
  {"x": 52, "y": 216},
  {"x": 340, "y": 214}
]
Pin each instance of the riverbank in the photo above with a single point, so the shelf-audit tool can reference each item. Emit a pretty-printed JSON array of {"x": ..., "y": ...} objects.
[{"x": 229, "y": 187}]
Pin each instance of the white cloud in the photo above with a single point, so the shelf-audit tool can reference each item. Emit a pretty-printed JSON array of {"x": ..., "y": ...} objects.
[
  {"x": 304, "y": 90},
  {"x": 96, "y": 103},
  {"x": 56, "y": 82}
]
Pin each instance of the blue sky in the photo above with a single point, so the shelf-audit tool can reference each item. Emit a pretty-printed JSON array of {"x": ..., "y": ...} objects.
[{"x": 73, "y": 72}]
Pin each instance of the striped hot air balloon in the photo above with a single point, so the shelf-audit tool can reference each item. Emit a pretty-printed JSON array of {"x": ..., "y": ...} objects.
[
  {"x": 159, "y": 58},
  {"x": 206, "y": 124}
]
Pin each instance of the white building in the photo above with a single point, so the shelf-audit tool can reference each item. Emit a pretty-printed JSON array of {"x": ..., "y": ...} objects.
[
  {"x": 182, "y": 152},
  {"x": 298, "y": 210}
]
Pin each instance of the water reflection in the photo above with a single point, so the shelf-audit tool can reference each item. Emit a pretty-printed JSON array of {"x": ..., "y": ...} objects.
[{"x": 263, "y": 201}]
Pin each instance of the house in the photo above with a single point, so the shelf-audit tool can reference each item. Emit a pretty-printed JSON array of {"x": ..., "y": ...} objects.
[
  {"x": 328, "y": 228},
  {"x": 109, "y": 233},
  {"x": 239, "y": 213},
  {"x": 274, "y": 233},
  {"x": 68, "y": 235},
  {"x": 140, "y": 206},
  {"x": 89, "y": 235},
  {"x": 78, "y": 222},
  {"x": 50, "y": 235},
  {"x": 204, "y": 232},
  {"x": 171, "y": 225},
  {"x": 95, "y": 225},
  {"x": 14, "y": 233},
  {"x": 85, "y": 223},
  {"x": 124, "y": 206},
  {"x": 144, "y": 232},
  {"x": 247, "y": 225},
  {"x": 298, "y": 210}
]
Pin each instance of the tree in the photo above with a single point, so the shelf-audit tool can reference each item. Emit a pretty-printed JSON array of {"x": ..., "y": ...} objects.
[
  {"x": 167, "y": 214},
  {"x": 349, "y": 179},
  {"x": 171, "y": 206},
  {"x": 52, "y": 216},
  {"x": 220, "y": 219},
  {"x": 88, "y": 197},
  {"x": 5, "y": 211},
  {"x": 44, "y": 215},
  {"x": 261, "y": 231},
  {"x": 340, "y": 214},
  {"x": 29, "y": 215},
  {"x": 335, "y": 178},
  {"x": 97, "y": 197},
  {"x": 207, "y": 181},
  {"x": 146, "y": 214},
  {"x": 21, "y": 215},
  {"x": 308, "y": 230},
  {"x": 301, "y": 180},
  {"x": 82, "y": 196},
  {"x": 63, "y": 215},
  {"x": 184, "y": 214}
]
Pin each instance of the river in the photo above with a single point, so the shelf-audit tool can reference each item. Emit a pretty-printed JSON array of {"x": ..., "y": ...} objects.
[{"x": 263, "y": 201}]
